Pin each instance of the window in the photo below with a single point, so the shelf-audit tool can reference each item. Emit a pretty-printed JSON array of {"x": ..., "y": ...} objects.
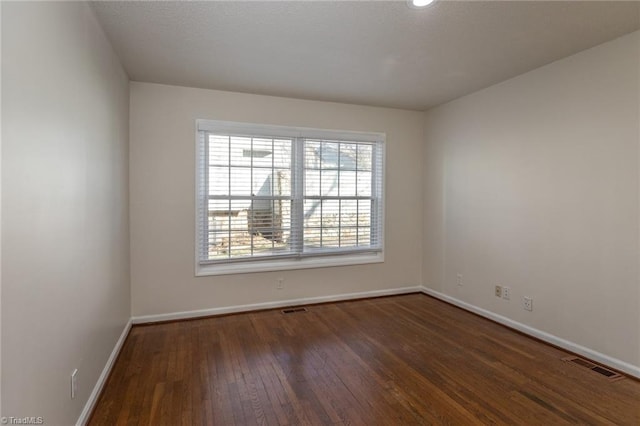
[{"x": 271, "y": 197}]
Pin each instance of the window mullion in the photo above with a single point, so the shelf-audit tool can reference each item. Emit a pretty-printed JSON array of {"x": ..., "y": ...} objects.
[
  {"x": 339, "y": 172},
  {"x": 229, "y": 244},
  {"x": 250, "y": 221},
  {"x": 205, "y": 202},
  {"x": 375, "y": 208},
  {"x": 297, "y": 214}
]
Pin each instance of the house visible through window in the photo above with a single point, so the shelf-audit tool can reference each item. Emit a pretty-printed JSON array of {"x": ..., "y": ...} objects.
[{"x": 273, "y": 197}]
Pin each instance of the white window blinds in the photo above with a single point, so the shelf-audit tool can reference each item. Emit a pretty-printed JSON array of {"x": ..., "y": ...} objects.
[{"x": 270, "y": 192}]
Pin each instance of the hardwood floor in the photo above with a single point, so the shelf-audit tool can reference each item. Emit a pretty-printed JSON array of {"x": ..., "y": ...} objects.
[{"x": 398, "y": 360}]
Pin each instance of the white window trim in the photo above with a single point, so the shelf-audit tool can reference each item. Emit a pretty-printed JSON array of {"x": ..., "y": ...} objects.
[
  {"x": 307, "y": 262},
  {"x": 288, "y": 264}
]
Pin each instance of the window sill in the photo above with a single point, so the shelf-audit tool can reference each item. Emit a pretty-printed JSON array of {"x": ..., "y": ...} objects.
[{"x": 288, "y": 264}]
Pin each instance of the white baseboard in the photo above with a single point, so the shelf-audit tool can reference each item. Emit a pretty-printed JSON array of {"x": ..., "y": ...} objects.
[
  {"x": 630, "y": 369},
  {"x": 95, "y": 394},
  {"x": 272, "y": 305}
]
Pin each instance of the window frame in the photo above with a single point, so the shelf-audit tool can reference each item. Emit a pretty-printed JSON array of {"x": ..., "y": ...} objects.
[{"x": 322, "y": 258}]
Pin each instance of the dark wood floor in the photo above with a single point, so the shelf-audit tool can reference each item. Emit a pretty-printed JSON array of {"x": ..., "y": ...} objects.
[{"x": 390, "y": 361}]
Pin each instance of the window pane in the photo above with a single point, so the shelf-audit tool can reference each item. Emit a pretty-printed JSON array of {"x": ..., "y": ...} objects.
[
  {"x": 364, "y": 213},
  {"x": 365, "y": 155},
  {"x": 282, "y": 182},
  {"x": 239, "y": 146},
  {"x": 312, "y": 182},
  {"x": 218, "y": 180},
  {"x": 267, "y": 184},
  {"x": 218, "y": 150},
  {"x": 364, "y": 184},
  {"x": 240, "y": 245},
  {"x": 312, "y": 155},
  {"x": 265, "y": 219},
  {"x": 348, "y": 153},
  {"x": 240, "y": 181},
  {"x": 282, "y": 153},
  {"x": 312, "y": 213},
  {"x": 330, "y": 213},
  {"x": 348, "y": 237},
  {"x": 329, "y": 183},
  {"x": 330, "y": 237},
  {"x": 218, "y": 245},
  {"x": 349, "y": 213},
  {"x": 364, "y": 236},
  {"x": 284, "y": 209},
  {"x": 261, "y": 152},
  {"x": 329, "y": 155},
  {"x": 218, "y": 208},
  {"x": 262, "y": 184},
  {"x": 347, "y": 183},
  {"x": 312, "y": 237}
]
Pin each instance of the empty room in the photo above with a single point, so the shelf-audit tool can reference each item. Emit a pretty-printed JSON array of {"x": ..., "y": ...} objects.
[{"x": 320, "y": 212}]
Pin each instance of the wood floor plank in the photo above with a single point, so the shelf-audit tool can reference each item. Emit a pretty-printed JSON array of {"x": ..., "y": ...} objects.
[{"x": 407, "y": 359}]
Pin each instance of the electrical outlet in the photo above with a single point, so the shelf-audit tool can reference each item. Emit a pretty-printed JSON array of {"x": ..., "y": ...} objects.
[
  {"x": 74, "y": 383},
  {"x": 460, "y": 280},
  {"x": 506, "y": 293},
  {"x": 527, "y": 303},
  {"x": 280, "y": 284},
  {"x": 498, "y": 291}
]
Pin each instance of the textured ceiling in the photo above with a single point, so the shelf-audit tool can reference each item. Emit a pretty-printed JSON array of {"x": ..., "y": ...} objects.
[{"x": 362, "y": 52}]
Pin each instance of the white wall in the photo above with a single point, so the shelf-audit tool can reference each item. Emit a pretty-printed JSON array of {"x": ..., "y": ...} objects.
[
  {"x": 65, "y": 273},
  {"x": 533, "y": 183},
  {"x": 163, "y": 200}
]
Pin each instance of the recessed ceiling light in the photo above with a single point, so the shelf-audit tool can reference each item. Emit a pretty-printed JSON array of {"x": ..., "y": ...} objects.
[{"x": 419, "y": 4}]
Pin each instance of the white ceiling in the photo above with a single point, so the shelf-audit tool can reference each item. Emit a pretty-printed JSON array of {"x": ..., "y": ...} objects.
[{"x": 362, "y": 52}]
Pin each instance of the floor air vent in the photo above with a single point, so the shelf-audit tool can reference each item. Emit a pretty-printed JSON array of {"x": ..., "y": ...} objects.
[
  {"x": 293, "y": 310},
  {"x": 611, "y": 375}
]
